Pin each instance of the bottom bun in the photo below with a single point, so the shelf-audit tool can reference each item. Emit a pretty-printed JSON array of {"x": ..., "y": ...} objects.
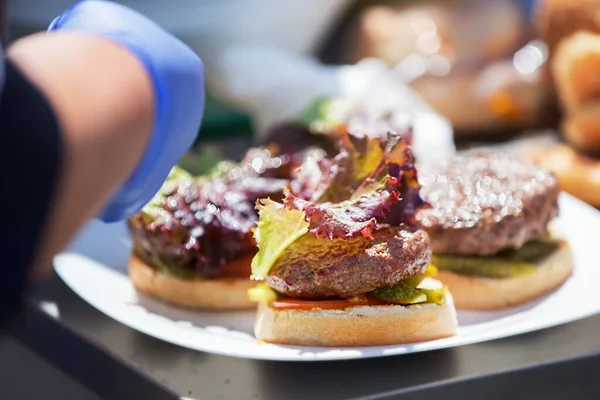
[
  {"x": 478, "y": 293},
  {"x": 356, "y": 326},
  {"x": 577, "y": 174},
  {"x": 214, "y": 294}
]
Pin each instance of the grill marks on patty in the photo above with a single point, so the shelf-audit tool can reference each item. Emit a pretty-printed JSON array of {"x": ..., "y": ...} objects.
[
  {"x": 485, "y": 202},
  {"x": 314, "y": 268}
]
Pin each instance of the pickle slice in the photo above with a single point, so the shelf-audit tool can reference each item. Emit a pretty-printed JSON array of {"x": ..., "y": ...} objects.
[
  {"x": 435, "y": 296},
  {"x": 531, "y": 251},
  {"x": 493, "y": 267},
  {"x": 400, "y": 293},
  {"x": 414, "y": 290},
  {"x": 505, "y": 264}
]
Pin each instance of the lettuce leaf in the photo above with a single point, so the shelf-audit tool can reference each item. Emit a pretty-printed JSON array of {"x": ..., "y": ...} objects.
[
  {"x": 277, "y": 228},
  {"x": 204, "y": 222},
  {"x": 346, "y": 219},
  {"x": 177, "y": 175},
  {"x": 382, "y": 188},
  {"x": 361, "y": 165},
  {"x": 370, "y": 182}
]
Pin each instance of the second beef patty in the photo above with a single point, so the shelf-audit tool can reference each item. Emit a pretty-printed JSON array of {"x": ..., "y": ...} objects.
[{"x": 482, "y": 203}]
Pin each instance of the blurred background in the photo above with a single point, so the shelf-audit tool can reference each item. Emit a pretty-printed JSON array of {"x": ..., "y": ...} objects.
[
  {"x": 454, "y": 70},
  {"x": 468, "y": 59}
]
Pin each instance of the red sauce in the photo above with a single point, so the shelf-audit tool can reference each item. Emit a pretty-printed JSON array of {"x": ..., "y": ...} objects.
[{"x": 300, "y": 304}]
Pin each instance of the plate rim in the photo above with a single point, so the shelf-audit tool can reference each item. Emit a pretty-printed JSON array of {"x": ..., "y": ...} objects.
[{"x": 323, "y": 353}]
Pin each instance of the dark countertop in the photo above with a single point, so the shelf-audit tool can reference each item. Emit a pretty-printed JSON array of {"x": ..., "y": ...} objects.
[
  {"x": 20, "y": 367},
  {"x": 571, "y": 352}
]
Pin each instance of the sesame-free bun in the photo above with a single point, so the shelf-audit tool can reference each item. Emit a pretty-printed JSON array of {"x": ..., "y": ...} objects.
[
  {"x": 356, "y": 326},
  {"x": 214, "y": 294},
  {"x": 576, "y": 173},
  {"x": 481, "y": 293}
]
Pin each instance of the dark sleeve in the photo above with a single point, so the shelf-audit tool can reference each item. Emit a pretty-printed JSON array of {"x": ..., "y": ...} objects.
[{"x": 30, "y": 154}]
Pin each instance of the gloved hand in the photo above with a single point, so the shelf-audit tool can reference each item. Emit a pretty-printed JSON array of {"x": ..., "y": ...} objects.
[{"x": 178, "y": 78}]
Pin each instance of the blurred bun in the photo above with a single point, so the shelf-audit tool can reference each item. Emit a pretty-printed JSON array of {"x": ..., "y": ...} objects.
[
  {"x": 391, "y": 33},
  {"x": 494, "y": 99},
  {"x": 581, "y": 128},
  {"x": 577, "y": 174},
  {"x": 557, "y": 19},
  {"x": 576, "y": 66},
  {"x": 469, "y": 79},
  {"x": 213, "y": 294}
]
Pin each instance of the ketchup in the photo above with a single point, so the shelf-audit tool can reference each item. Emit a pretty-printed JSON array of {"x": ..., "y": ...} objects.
[{"x": 341, "y": 304}]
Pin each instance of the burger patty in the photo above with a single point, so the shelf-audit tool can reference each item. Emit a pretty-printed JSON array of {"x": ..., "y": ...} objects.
[
  {"x": 482, "y": 203},
  {"x": 316, "y": 268}
]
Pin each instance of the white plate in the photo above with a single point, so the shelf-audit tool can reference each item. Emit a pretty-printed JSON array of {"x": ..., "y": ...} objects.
[{"x": 95, "y": 268}]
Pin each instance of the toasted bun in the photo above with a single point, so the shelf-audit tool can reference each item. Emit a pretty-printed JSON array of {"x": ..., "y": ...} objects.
[
  {"x": 216, "y": 294},
  {"x": 576, "y": 174},
  {"x": 356, "y": 326},
  {"x": 477, "y": 293}
]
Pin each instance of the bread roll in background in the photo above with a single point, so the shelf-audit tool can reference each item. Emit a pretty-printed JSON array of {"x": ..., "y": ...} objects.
[
  {"x": 577, "y": 174},
  {"x": 581, "y": 129},
  {"x": 576, "y": 70},
  {"x": 394, "y": 32},
  {"x": 497, "y": 98},
  {"x": 483, "y": 83},
  {"x": 571, "y": 29},
  {"x": 575, "y": 67},
  {"x": 557, "y": 19}
]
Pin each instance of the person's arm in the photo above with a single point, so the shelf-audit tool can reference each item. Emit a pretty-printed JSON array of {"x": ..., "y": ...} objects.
[
  {"x": 93, "y": 116},
  {"x": 103, "y": 101}
]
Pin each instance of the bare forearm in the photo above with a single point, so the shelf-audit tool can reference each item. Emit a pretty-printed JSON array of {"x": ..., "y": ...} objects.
[{"x": 103, "y": 101}]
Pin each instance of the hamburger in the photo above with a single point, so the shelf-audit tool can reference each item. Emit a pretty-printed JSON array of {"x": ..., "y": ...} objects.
[
  {"x": 490, "y": 222},
  {"x": 341, "y": 263},
  {"x": 193, "y": 244}
]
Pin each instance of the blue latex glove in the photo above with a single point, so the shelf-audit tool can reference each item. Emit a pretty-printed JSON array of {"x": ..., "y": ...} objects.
[
  {"x": 528, "y": 6},
  {"x": 178, "y": 78}
]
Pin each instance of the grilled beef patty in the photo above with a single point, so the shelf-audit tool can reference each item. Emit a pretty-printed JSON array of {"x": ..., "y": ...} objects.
[
  {"x": 315, "y": 268},
  {"x": 486, "y": 202}
]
